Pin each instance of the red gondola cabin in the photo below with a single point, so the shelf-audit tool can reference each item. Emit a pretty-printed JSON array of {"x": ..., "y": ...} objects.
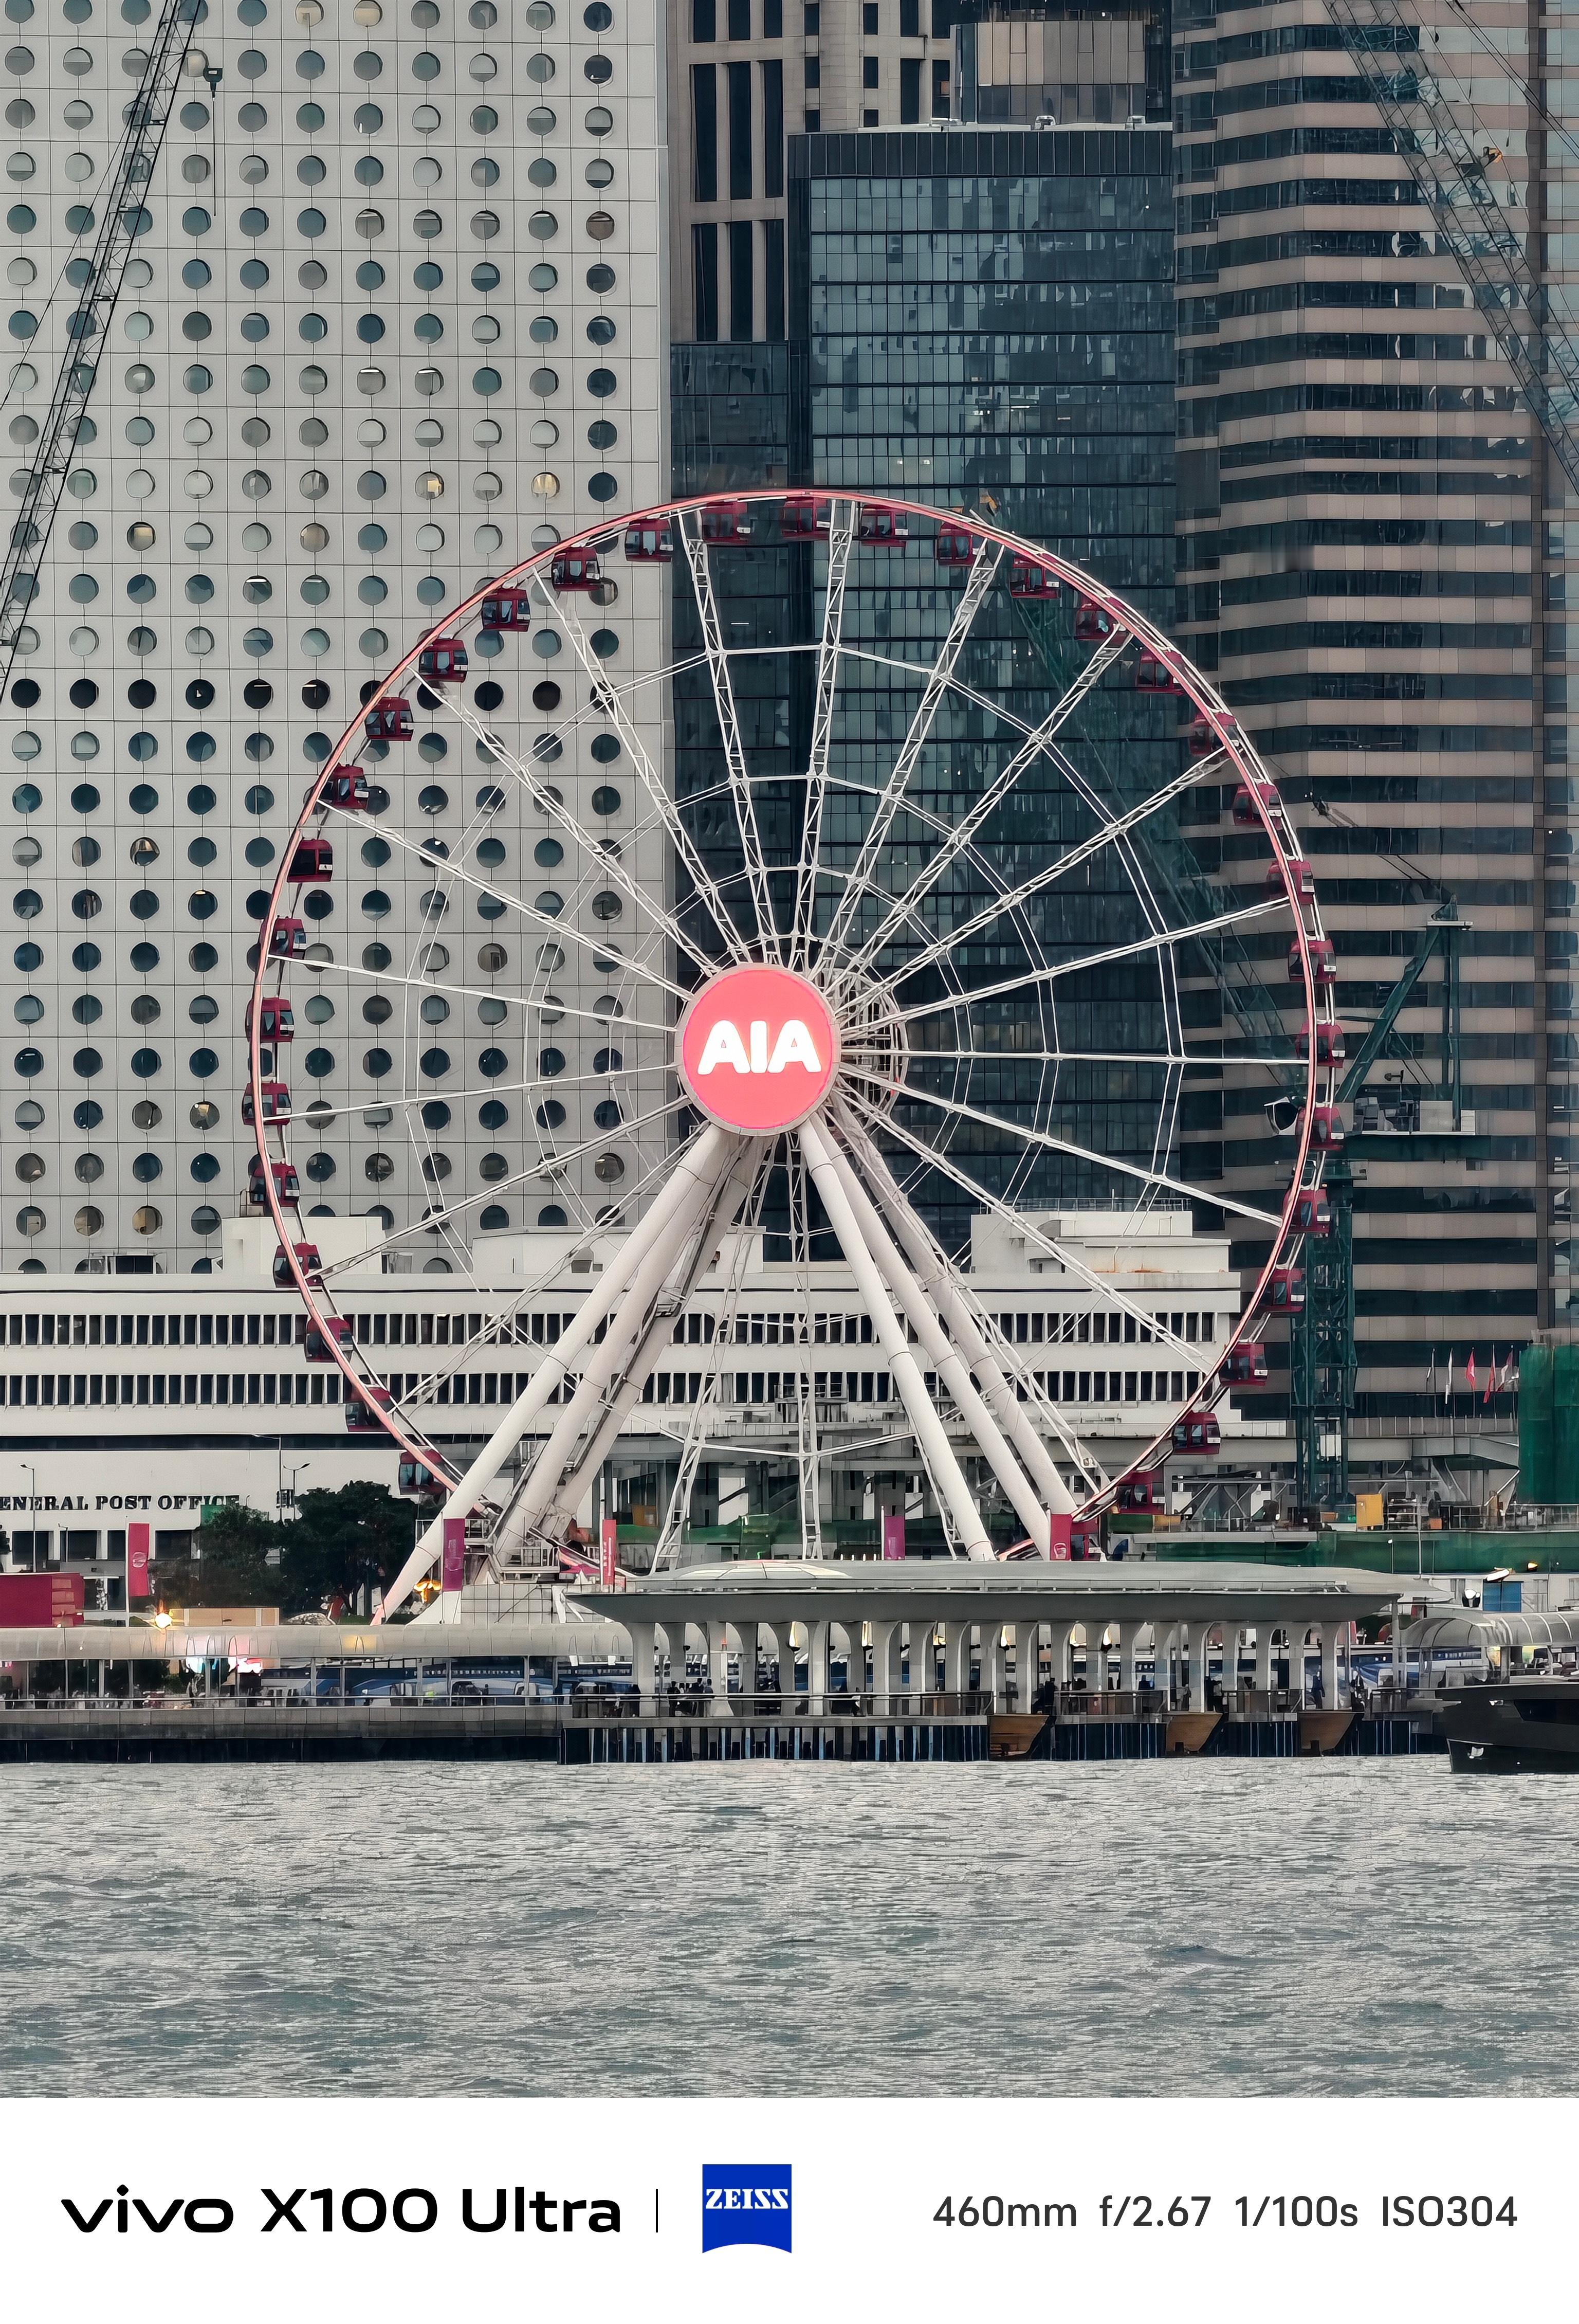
[
  {"x": 390, "y": 720},
  {"x": 1331, "y": 1048},
  {"x": 1327, "y": 1128},
  {"x": 315, "y": 1340},
  {"x": 1092, "y": 624},
  {"x": 650, "y": 543},
  {"x": 362, "y": 1413},
  {"x": 287, "y": 1184},
  {"x": 276, "y": 1100},
  {"x": 1247, "y": 1365},
  {"x": 1285, "y": 1290},
  {"x": 276, "y": 1021},
  {"x": 1261, "y": 792},
  {"x": 1137, "y": 1495},
  {"x": 347, "y": 788},
  {"x": 417, "y": 1477},
  {"x": 1312, "y": 1214},
  {"x": 1302, "y": 879},
  {"x": 804, "y": 517},
  {"x": 288, "y": 940},
  {"x": 577, "y": 570},
  {"x": 443, "y": 661},
  {"x": 1197, "y": 1431},
  {"x": 1152, "y": 676},
  {"x": 1027, "y": 578},
  {"x": 954, "y": 546},
  {"x": 1200, "y": 741},
  {"x": 727, "y": 521},
  {"x": 308, "y": 1258},
  {"x": 312, "y": 864},
  {"x": 882, "y": 528},
  {"x": 508, "y": 609},
  {"x": 1323, "y": 962}
]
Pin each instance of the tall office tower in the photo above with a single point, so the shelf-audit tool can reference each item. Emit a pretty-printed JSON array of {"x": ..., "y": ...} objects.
[
  {"x": 989, "y": 316},
  {"x": 1035, "y": 63},
  {"x": 743, "y": 74},
  {"x": 395, "y": 316},
  {"x": 1356, "y": 529}
]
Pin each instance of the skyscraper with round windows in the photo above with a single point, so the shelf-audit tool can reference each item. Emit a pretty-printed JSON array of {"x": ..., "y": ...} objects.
[{"x": 393, "y": 317}]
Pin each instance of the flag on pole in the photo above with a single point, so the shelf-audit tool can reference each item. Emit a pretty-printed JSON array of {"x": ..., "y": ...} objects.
[
  {"x": 1448, "y": 1387},
  {"x": 1491, "y": 1375},
  {"x": 1431, "y": 1375},
  {"x": 1469, "y": 1372}
]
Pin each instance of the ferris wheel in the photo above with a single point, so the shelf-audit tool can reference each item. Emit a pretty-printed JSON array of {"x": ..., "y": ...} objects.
[{"x": 863, "y": 831}]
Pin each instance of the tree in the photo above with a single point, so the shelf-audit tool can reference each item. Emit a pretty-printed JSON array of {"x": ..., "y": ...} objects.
[
  {"x": 341, "y": 1541},
  {"x": 337, "y": 1543}
]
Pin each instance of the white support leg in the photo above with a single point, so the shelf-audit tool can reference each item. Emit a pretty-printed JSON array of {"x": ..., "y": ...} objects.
[
  {"x": 699, "y": 1163},
  {"x": 644, "y": 1658},
  {"x": 953, "y": 1370},
  {"x": 1198, "y": 1665},
  {"x": 817, "y": 1633},
  {"x": 1329, "y": 1635},
  {"x": 930, "y": 1436},
  {"x": 931, "y": 1271},
  {"x": 1263, "y": 1656},
  {"x": 606, "y": 1361},
  {"x": 1129, "y": 1638},
  {"x": 718, "y": 1666},
  {"x": 957, "y": 1644},
  {"x": 924, "y": 1659}
]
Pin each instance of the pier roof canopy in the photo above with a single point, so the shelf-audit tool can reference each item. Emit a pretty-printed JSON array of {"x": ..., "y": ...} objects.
[{"x": 772, "y": 1590}]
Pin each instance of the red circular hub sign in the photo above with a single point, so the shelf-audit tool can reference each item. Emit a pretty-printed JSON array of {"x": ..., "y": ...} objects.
[{"x": 758, "y": 1049}]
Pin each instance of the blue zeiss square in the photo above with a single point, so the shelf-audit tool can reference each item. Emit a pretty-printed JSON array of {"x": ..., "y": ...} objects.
[{"x": 746, "y": 2203}]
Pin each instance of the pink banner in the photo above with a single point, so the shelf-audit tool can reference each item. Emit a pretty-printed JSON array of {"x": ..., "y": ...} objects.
[
  {"x": 1060, "y": 1542},
  {"x": 893, "y": 1535},
  {"x": 611, "y": 1542},
  {"x": 137, "y": 1582},
  {"x": 454, "y": 1552}
]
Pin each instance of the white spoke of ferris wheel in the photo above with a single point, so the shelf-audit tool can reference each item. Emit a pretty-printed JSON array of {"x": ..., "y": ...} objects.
[
  {"x": 677, "y": 1516},
  {"x": 611, "y": 868},
  {"x": 445, "y": 869},
  {"x": 953, "y": 1372},
  {"x": 844, "y": 517},
  {"x": 646, "y": 774},
  {"x": 931, "y": 1439},
  {"x": 807, "y": 1445},
  {"x": 1048, "y": 1246},
  {"x": 728, "y": 721},
  {"x": 1046, "y": 1141},
  {"x": 691, "y": 1176},
  {"x": 962, "y": 834},
  {"x": 993, "y": 1359},
  {"x": 1052, "y": 969},
  {"x": 1013, "y": 900},
  {"x": 983, "y": 572},
  {"x": 535, "y": 1170},
  {"x": 920, "y": 1056}
]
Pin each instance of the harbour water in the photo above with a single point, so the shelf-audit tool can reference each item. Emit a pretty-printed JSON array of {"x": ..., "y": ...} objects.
[{"x": 1338, "y": 1926}]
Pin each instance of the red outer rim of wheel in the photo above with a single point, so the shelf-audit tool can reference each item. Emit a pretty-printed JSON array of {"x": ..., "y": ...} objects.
[{"x": 1209, "y": 707}]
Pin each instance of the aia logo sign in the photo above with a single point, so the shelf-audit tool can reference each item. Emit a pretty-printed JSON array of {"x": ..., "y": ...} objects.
[
  {"x": 746, "y": 2203},
  {"x": 759, "y": 1049}
]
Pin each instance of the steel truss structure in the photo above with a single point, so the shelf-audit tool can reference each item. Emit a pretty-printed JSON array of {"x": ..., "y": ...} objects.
[{"x": 956, "y": 960}]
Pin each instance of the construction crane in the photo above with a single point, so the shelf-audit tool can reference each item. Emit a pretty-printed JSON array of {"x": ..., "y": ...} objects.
[
  {"x": 1452, "y": 165},
  {"x": 98, "y": 286},
  {"x": 1322, "y": 1353}
]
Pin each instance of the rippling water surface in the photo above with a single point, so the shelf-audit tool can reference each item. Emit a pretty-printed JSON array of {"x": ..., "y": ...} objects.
[{"x": 1329, "y": 1926}]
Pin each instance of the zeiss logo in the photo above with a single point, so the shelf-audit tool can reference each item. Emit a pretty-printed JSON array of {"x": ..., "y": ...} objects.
[{"x": 746, "y": 2203}]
